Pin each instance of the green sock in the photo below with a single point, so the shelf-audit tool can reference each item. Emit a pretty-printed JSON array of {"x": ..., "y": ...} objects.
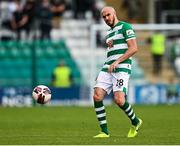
[
  {"x": 127, "y": 108},
  {"x": 101, "y": 116}
]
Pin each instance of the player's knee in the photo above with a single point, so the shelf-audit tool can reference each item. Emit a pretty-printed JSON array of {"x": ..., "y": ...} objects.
[
  {"x": 97, "y": 97},
  {"x": 119, "y": 99}
]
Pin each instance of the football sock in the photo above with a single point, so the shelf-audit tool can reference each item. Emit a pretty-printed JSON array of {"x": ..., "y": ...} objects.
[
  {"x": 101, "y": 115},
  {"x": 127, "y": 108}
]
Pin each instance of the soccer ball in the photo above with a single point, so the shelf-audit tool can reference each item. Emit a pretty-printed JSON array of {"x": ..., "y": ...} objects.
[{"x": 41, "y": 94}]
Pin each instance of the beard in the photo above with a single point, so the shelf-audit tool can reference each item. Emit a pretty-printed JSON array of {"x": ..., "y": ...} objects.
[{"x": 111, "y": 23}]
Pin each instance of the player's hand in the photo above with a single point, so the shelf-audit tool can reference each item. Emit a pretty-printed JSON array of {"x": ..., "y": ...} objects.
[
  {"x": 113, "y": 67},
  {"x": 110, "y": 43}
]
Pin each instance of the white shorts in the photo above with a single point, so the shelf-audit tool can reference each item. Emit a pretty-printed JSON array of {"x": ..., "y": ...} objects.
[{"x": 113, "y": 81}]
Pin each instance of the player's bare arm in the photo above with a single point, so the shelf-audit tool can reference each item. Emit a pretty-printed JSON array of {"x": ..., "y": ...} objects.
[{"x": 132, "y": 49}]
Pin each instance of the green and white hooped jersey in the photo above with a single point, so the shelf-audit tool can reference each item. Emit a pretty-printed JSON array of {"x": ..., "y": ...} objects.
[{"x": 119, "y": 34}]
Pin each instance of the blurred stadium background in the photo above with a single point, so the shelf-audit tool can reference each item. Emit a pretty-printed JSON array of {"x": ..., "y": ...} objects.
[
  {"x": 28, "y": 58},
  {"x": 29, "y": 54}
]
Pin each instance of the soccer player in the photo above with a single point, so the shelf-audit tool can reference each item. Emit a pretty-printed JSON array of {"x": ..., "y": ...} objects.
[{"x": 121, "y": 45}]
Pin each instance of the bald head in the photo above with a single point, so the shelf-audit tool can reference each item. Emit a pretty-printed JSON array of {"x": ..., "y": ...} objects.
[
  {"x": 108, "y": 9},
  {"x": 109, "y": 15}
]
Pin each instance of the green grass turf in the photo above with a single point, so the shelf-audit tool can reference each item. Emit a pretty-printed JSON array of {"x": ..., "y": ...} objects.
[{"x": 77, "y": 125}]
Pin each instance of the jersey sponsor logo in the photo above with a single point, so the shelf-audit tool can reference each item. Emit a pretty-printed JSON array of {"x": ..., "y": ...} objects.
[{"x": 130, "y": 32}]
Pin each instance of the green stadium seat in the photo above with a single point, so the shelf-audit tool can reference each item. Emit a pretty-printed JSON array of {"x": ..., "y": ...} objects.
[
  {"x": 2, "y": 74},
  {"x": 53, "y": 63},
  {"x": 46, "y": 43},
  {"x": 21, "y": 62},
  {"x": 8, "y": 73},
  {"x": 50, "y": 52},
  {"x": 10, "y": 44},
  {"x": 42, "y": 63},
  {"x": 3, "y": 52},
  {"x": 22, "y": 44},
  {"x": 25, "y": 48},
  {"x": 70, "y": 62},
  {"x": 25, "y": 73},
  {"x": 44, "y": 81},
  {"x": 12, "y": 49},
  {"x": 16, "y": 62},
  {"x": 63, "y": 53},
  {"x": 44, "y": 73},
  {"x": 26, "y": 52},
  {"x": 45, "y": 63},
  {"x": 59, "y": 44},
  {"x": 76, "y": 76},
  {"x": 39, "y": 52},
  {"x": 6, "y": 63},
  {"x": 44, "y": 76},
  {"x": 14, "y": 52}
]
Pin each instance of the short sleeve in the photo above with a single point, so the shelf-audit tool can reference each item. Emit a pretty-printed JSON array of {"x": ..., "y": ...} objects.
[{"x": 128, "y": 31}]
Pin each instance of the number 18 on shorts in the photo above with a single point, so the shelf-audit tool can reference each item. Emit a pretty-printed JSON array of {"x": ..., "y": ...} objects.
[{"x": 113, "y": 81}]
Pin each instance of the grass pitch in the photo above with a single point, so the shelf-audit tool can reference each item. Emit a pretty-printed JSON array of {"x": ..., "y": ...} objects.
[{"x": 77, "y": 126}]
